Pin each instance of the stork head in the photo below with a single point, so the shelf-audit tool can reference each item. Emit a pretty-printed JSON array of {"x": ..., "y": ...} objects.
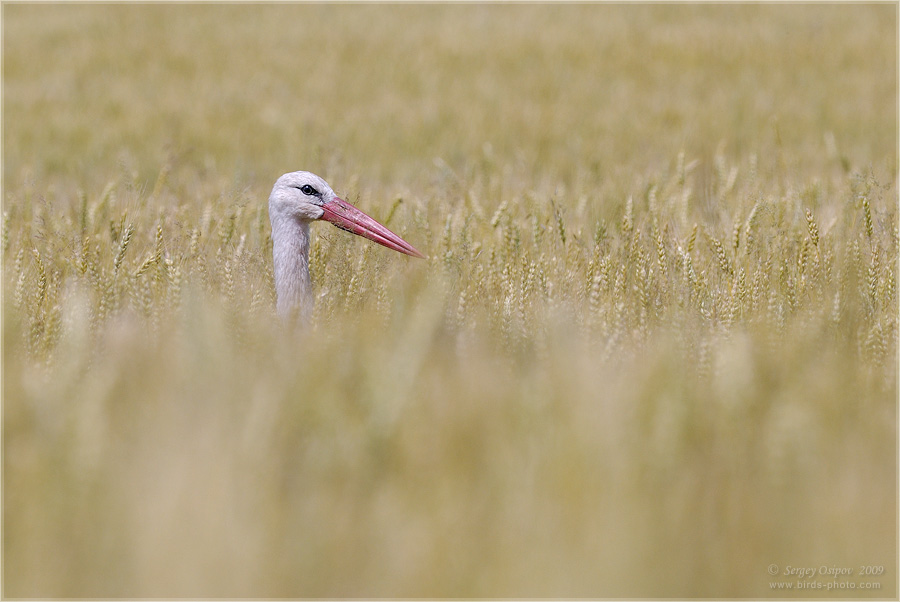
[{"x": 305, "y": 197}]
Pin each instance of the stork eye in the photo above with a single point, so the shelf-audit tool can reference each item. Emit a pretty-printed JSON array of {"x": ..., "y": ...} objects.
[{"x": 309, "y": 190}]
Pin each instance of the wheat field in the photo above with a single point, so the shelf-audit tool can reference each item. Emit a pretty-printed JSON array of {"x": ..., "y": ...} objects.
[{"x": 652, "y": 351}]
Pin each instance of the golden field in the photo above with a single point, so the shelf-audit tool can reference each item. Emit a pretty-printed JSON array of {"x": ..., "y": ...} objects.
[{"x": 652, "y": 352}]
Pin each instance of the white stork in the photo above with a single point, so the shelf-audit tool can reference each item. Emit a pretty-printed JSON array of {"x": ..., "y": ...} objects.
[{"x": 297, "y": 199}]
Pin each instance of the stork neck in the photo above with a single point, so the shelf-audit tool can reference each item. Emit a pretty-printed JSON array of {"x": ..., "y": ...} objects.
[{"x": 290, "y": 253}]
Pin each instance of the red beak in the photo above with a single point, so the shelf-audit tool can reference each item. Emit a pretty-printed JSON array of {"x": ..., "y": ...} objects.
[{"x": 347, "y": 217}]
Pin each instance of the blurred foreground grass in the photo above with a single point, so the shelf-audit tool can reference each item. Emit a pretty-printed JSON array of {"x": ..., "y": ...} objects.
[{"x": 652, "y": 352}]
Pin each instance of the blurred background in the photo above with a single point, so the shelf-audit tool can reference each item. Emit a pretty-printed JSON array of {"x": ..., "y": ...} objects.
[{"x": 652, "y": 352}]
